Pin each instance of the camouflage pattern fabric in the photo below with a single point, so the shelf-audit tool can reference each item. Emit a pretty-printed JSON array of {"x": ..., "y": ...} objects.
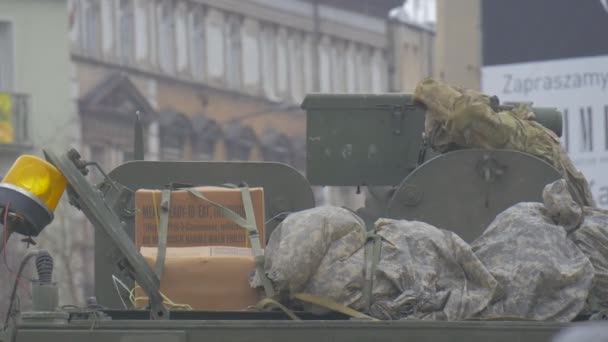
[
  {"x": 542, "y": 274},
  {"x": 560, "y": 206},
  {"x": 435, "y": 274},
  {"x": 588, "y": 228},
  {"x": 309, "y": 245},
  {"x": 592, "y": 239},
  {"x": 538, "y": 261},
  {"x": 424, "y": 272},
  {"x": 460, "y": 118}
]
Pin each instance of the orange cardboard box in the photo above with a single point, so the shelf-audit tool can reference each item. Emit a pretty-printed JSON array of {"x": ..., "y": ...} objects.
[
  {"x": 206, "y": 278},
  {"x": 195, "y": 222}
]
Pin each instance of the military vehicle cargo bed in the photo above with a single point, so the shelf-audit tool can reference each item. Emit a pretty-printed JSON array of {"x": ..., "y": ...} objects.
[{"x": 286, "y": 330}]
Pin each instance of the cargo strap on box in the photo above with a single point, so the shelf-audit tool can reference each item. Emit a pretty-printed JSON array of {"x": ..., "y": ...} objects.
[
  {"x": 249, "y": 223},
  {"x": 373, "y": 249},
  {"x": 271, "y": 303},
  {"x": 331, "y": 305},
  {"x": 163, "y": 229}
]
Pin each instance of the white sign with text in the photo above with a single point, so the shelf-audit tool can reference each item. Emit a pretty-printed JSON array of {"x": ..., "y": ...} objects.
[{"x": 577, "y": 87}]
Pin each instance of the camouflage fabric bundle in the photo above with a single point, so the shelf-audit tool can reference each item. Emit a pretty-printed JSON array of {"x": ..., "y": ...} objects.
[
  {"x": 435, "y": 275},
  {"x": 560, "y": 252},
  {"x": 459, "y": 118},
  {"x": 308, "y": 252},
  {"x": 588, "y": 228},
  {"x": 539, "y": 261},
  {"x": 592, "y": 239},
  {"x": 424, "y": 272},
  {"x": 542, "y": 274}
]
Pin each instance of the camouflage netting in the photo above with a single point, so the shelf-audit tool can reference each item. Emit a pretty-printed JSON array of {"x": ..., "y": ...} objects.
[
  {"x": 535, "y": 261},
  {"x": 462, "y": 118}
]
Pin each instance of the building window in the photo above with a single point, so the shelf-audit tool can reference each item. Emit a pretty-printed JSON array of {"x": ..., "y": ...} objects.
[
  {"x": 324, "y": 65},
  {"x": 351, "y": 68},
  {"x": 141, "y": 30},
  {"x": 215, "y": 44},
  {"x": 239, "y": 141},
  {"x": 203, "y": 148},
  {"x": 364, "y": 71},
  {"x": 175, "y": 131},
  {"x": 109, "y": 40},
  {"x": 282, "y": 63},
  {"x": 378, "y": 66},
  {"x": 269, "y": 61},
  {"x": 91, "y": 28},
  {"x": 181, "y": 37},
  {"x": 277, "y": 147},
  {"x": 205, "y": 135},
  {"x": 251, "y": 56},
  {"x": 296, "y": 66},
  {"x": 14, "y": 110},
  {"x": 172, "y": 148},
  {"x": 126, "y": 29},
  {"x": 586, "y": 129},
  {"x": 6, "y": 56},
  {"x": 308, "y": 63},
  {"x": 166, "y": 37},
  {"x": 106, "y": 119},
  {"x": 338, "y": 66},
  {"x": 234, "y": 57},
  {"x": 197, "y": 50}
]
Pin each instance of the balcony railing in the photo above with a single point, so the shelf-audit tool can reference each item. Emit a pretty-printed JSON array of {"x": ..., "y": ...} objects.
[{"x": 14, "y": 113}]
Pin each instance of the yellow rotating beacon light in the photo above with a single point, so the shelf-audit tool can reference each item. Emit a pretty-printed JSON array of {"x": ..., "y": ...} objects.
[{"x": 31, "y": 190}]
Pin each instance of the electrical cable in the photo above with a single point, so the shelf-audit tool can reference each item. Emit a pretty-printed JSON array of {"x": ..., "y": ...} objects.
[
  {"x": 25, "y": 259},
  {"x": 277, "y": 216},
  {"x": 5, "y": 235},
  {"x": 5, "y": 240},
  {"x": 166, "y": 300},
  {"x": 117, "y": 281}
]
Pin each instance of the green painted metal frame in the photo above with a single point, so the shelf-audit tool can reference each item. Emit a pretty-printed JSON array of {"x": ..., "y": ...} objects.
[
  {"x": 285, "y": 190},
  {"x": 455, "y": 185},
  {"x": 362, "y": 140},
  {"x": 107, "y": 222},
  {"x": 293, "y": 331},
  {"x": 373, "y": 140}
]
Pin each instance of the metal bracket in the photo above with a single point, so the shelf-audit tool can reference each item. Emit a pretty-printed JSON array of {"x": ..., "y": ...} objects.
[
  {"x": 92, "y": 204},
  {"x": 398, "y": 116},
  {"x": 490, "y": 169},
  {"x": 9, "y": 332}
]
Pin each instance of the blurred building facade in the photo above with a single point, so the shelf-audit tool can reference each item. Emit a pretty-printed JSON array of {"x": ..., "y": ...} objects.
[
  {"x": 224, "y": 79},
  {"x": 211, "y": 79},
  {"x": 36, "y": 113},
  {"x": 35, "y": 107}
]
